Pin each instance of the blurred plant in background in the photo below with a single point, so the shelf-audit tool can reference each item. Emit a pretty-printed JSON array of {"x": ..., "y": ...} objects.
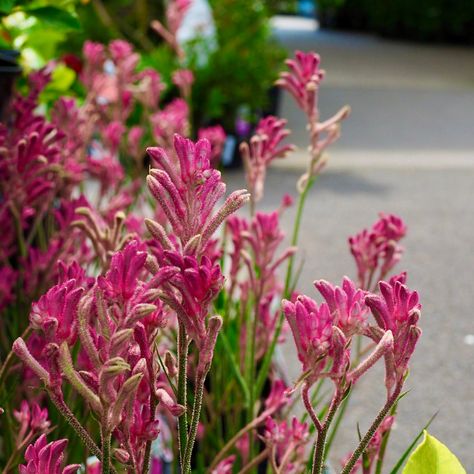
[{"x": 427, "y": 20}]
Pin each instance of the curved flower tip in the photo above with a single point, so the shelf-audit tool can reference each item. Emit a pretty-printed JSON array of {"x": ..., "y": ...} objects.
[
  {"x": 55, "y": 312},
  {"x": 165, "y": 398},
  {"x": 397, "y": 309},
  {"x": 346, "y": 303},
  {"x": 303, "y": 79},
  {"x": 311, "y": 326},
  {"x": 47, "y": 458}
]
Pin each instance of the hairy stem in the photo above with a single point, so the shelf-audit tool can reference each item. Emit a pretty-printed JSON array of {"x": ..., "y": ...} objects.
[
  {"x": 75, "y": 424},
  {"x": 318, "y": 458},
  {"x": 288, "y": 280},
  {"x": 105, "y": 435},
  {"x": 371, "y": 431},
  {"x": 182, "y": 396},
  {"x": 196, "y": 414},
  {"x": 309, "y": 407}
]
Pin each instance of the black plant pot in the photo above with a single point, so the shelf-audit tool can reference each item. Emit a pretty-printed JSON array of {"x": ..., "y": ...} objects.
[{"x": 9, "y": 71}]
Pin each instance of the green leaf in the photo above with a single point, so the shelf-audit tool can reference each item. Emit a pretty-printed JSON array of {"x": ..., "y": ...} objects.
[
  {"x": 433, "y": 457},
  {"x": 407, "y": 451},
  {"x": 6, "y": 6},
  {"x": 56, "y": 17},
  {"x": 62, "y": 78}
]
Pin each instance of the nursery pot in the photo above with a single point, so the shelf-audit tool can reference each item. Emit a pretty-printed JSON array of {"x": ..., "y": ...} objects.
[{"x": 9, "y": 71}]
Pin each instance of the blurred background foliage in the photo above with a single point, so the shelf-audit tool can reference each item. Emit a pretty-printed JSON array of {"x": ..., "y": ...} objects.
[
  {"x": 236, "y": 78},
  {"x": 242, "y": 61},
  {"x": 420, "y": 20}
]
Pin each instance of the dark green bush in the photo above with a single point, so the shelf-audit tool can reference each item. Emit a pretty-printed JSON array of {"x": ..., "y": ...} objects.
[{"x": 423, "y": 20}]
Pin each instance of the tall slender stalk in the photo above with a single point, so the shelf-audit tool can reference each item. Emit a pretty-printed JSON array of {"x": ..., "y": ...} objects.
[
  {"x": 75, "y": 424},
  {"x": 105, "y": 436},
  {"x": 182, "y": 389},
  {"x": 11, "y": 357},
  {"x": 262, "y": 375},
  {"x": 318, "y": 458},
  {"x": 196, "y": 413},
  {"x": 371, "y": 431}
]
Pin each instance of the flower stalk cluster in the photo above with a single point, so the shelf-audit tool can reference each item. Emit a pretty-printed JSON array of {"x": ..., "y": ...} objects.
[{"x": 158, "y": 341}]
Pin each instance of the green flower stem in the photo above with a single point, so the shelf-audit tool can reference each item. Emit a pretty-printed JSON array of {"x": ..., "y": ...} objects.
[
  {"x": 182, "y": 395},
  {"x": 196, "y": 414},
  {"x": 296, "y": 230},
  {"x": 336, "y": 425},
  {"x": 105, "y": 436},
  {"x": 371, "y": 431},
  {"x": 147, "y": 455},
  {"x": 11, "y": 357},
  {"x": 262, "y": 375},
  {"x": 318, "y": 458},
  {"x": 75, "y": 424}
]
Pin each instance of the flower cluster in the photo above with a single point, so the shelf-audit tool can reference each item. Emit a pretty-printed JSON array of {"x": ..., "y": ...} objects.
[
  {"x": 123, "y": 345},
  {"x": 302, "y": 82},
  {"x": 265, "y": 145},
  {"x": 43, "y": 457},
  {"x": 377, "y": 249},
  {"x": 116, "y": 320},
  {"x": 255, "y": 247},
  {"x": 187, "y": 192}
]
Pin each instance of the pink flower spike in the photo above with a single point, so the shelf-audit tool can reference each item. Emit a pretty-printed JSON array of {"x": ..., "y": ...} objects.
[
  {"x": 47, "y": 458},
  {"x": 55, "y": 312},
  {"x": 303, "y": 80},
  {"x": 183, "y": 79},
  {"x": 121, "y": 280},
  {"x": 278, "y": 396},
  {"x": 187, "y": 193},
  {"x": 377, "y": 248},
  {"x": 312, "y": 331},
  {"x": 397, "y": 309},
  {"x": 347, "y": 305},
  {"x": 264, "y": 147},
  {"x": 216, "y": 137}
]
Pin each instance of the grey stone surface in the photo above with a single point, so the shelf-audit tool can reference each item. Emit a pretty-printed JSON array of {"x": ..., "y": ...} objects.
[{"x": 439, "y": 258}]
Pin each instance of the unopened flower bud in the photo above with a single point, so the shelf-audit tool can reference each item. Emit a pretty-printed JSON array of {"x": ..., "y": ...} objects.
[
  {"x": 173, "y": 407},
  {"x": 207, "y": 352},
  {"x": 118, "y": 339},
  {"x": 121, "y": 455},
  {"x": 171, "y": 365},
  {"x": 20, "y": 349}
]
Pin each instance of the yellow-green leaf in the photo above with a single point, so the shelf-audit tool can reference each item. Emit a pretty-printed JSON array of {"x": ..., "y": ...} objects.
[{"x": 433, "y": 457}]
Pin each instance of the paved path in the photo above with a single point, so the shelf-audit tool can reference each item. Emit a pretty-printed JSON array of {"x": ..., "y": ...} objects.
[{"x": 407, "y": 149}]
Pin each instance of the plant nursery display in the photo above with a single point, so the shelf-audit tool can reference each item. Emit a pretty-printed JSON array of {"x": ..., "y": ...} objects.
[{"x": 141, "y": 305}]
